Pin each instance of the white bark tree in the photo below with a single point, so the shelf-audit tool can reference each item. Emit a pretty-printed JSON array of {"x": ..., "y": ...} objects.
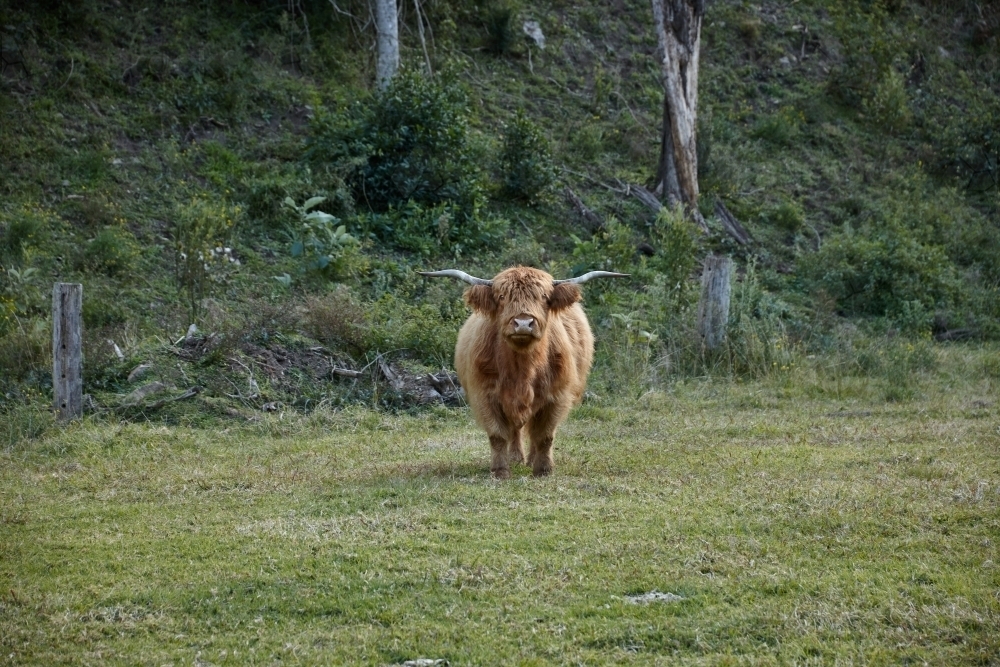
[
  {"x": 387, "y": 42},
  {"x": 678, "y": 30}
]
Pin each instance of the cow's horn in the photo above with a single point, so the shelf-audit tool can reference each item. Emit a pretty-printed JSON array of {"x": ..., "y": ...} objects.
[
  {"x": 455, "y": 273},
  {"x": 589, "y": 276}
]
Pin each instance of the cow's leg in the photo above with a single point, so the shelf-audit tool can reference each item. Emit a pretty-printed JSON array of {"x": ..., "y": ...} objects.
[
  {"x": 542, "y": 429},
  {"x": 516, "y": 447},
  {"x": 499, "y": 465}
]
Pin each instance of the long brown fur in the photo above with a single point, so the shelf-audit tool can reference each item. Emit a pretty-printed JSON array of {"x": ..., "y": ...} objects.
[{"x": 531, "y": 383}]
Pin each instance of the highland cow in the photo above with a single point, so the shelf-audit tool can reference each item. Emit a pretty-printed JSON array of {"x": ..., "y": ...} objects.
[{"x": 523, "y": 357}]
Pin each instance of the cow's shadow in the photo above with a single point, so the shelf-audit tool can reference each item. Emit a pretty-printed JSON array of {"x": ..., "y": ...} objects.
[{"x": 456, "y": 470}]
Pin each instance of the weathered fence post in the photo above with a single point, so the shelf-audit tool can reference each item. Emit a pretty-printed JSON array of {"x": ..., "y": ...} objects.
[
  {"x": 67, "y": 354},
  {"x": 713, "y": 308}
]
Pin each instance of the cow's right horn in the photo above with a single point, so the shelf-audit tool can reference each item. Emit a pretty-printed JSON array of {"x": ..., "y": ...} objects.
[
  {"x": 455, "y": 273},
  {"x": 593, "y": 274}
]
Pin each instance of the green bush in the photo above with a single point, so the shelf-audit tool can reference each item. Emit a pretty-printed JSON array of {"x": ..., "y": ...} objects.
[
  {"x": 425, "y": 230},
  {"x": 17, "y": 233},
  {"x": 409, "y": 143},
  {"x": 676, "y": 246},
  {"x": 323, "y": 245},
  {"x": 201, "y": 233},
  {"x": 886, "y": 106},
  {"x": 786, "y": 215},
  {"x": 113, "y": 252},
  {"x": 782, "y": 128},
  {"x": 526, "y": 165},
  {"x": 882, "y": 270},
  {"x": 870, "y": 45},
  {"x": 612, "y": 248}
]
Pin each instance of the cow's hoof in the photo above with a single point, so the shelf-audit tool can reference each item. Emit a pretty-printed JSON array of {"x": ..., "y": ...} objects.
[
  {"x": 503, "y": 473},
  {"x": 542, "y": 471}
]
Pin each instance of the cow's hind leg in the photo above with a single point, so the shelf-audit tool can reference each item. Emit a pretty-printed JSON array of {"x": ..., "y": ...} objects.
[{"x": 516, "y": 447}]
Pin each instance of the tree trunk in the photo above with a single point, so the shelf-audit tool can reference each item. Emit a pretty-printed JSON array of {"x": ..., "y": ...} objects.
[
  {"x": 387, "y": 56},
  {"x": 678, "y": 30},
  {"x": 713, "y": 308}
]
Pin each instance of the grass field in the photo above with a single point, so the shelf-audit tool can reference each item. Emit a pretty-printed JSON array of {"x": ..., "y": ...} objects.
[{"x": 796, "y": 522}]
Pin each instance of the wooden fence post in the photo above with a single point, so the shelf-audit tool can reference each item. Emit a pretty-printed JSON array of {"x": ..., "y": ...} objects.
[
  {"x": 67, "y": 354},
  {"x": 713, "y": 308}
]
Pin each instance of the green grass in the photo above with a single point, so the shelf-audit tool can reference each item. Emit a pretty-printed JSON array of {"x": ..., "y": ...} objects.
[{"x": 802, "y": 523}]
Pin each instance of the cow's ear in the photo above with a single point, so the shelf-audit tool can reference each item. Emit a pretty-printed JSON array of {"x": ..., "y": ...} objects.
[
  {"x": 564, "y": 295},
  {"x": 480, "y": 299}
]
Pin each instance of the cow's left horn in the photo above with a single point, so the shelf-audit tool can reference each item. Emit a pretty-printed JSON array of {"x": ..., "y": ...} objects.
[
  {"x": 590, "y": 276},
  {"x": 455, "y": 273}
]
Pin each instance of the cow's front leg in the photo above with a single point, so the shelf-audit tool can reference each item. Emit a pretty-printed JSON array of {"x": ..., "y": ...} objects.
[
  {"x": 542, "y": 430},
  {"x": 499, "y": 464},
  {"x": 516, "y": 450}
]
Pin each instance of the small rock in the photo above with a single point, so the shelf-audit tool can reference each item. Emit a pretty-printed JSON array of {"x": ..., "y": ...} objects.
[
  {"x": 137, "y": 372},
  {"x": 117, "y": 350},
  {"x": 653, "y": 596},
  {"x": 144, "y": 391},
  {"x": 425, "y": 662},
  {"x": 533, "y": 31},
  {"x": 271, "y": 406}
]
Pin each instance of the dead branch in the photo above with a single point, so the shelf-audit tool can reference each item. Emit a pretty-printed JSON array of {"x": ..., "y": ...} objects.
[
  {"x": 731, "y": 224},
  {"x": 591, "y": 220}
]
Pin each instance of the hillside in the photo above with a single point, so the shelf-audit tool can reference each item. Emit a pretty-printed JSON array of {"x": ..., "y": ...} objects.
[{"x": 148, "y": 153}]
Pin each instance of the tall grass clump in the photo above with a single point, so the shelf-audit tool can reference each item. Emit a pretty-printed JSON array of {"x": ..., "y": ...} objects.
[{"x": 757, "y": 343}]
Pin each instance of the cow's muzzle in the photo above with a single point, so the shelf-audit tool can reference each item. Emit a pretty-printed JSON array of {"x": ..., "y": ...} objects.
[{"x": 524, "y": 325}]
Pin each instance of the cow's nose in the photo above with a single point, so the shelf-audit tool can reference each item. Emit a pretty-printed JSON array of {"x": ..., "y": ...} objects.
[{"x": 523, "y": 325}]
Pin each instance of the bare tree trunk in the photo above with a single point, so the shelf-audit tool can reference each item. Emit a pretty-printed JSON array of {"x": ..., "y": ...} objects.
[
  {"x": 387, "y": 56},
  {"x": 678, "y": 30}
]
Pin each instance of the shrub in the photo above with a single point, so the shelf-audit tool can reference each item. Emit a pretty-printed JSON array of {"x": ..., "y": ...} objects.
[
  {"x": 409, "y": 143},
  {"x": 526, "y": 166},
  {"x": 612, "y": 248},
  {"x": 870, "y": 48},
  {"x": 425, "y": 230},
  {"x": 113, "y": 252},
  {"x": 201, "y": 258},
  {"x": 781, "y": 129},
  {"x": 20, "y": 230},
  {"x": 336, "y": 319},
  {"x": 675, "y": 242},
  {"x": 787, "y": 215},
  {"x": 886, "y": 105},
  {"x": 882, "y": 270},
  {"x": 323, "y": 245}
]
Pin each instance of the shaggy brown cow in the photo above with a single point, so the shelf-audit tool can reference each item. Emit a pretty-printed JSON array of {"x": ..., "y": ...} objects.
[{"x": 523, "y": 357}]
